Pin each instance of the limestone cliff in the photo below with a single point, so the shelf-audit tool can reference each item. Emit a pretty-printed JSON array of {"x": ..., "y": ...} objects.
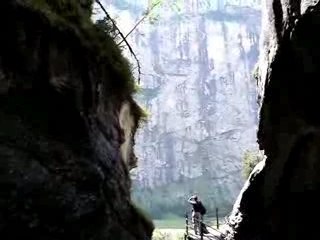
[
  {"x": 197, "y": 62},
  {"x": 67, "y": 121},
  {"x": 282, "y": 195}
]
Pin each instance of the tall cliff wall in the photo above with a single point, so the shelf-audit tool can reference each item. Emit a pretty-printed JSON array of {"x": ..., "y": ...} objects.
[{"x": 197, "y": 83}]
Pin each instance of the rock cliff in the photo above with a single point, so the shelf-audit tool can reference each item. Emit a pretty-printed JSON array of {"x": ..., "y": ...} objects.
[
  {"x": 67, "y": 121},
  {"x": 197, "y": 84},
  {"x": 282, "y": 194}
]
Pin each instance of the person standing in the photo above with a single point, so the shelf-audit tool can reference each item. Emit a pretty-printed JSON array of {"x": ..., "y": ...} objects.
[{"x": 198, "y": 210}]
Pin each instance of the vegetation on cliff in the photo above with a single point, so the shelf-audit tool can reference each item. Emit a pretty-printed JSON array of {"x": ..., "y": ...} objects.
[
  {"x": 68, "y": 22},
  {"x": 63, "y": 84},
  {"x": 250, "y": 160}
]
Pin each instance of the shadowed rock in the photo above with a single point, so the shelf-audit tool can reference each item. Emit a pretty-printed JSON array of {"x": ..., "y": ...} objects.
[
  {"x": 67, "y": 122},
  {"x": 280, "y": 199}
]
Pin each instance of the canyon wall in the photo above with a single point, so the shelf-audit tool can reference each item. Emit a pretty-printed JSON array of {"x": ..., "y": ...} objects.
[{"x": 197, "y": 83}]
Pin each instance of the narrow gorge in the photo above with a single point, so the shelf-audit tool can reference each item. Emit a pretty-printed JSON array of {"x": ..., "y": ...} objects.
[
  {"x": 72, "y": 112},
  {"x": 198, "y": 85}
]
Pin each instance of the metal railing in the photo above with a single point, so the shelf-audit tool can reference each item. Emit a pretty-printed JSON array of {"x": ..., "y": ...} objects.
[{"x": 191, "y": 233}]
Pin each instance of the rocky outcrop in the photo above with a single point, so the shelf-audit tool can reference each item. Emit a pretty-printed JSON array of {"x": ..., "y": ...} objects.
[
  {"x": 197, "y": 83},
  {"x": 67, "y": 121},
  {"x": 282, "y": 197}
]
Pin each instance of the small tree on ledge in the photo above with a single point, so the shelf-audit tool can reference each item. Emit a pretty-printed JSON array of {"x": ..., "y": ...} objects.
[{"x": 250, "y": 160}]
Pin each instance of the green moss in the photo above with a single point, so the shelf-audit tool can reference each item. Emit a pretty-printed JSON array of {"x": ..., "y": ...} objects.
[
  {"x": 137, "y": 88},
  {"x": 72, "y": 20},
  {"x": 140, "y": 114},
  {"x": 145, "y": 114}
]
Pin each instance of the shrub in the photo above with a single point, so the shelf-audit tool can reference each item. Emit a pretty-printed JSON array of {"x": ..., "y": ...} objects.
[{"x": 250, "y": 160}]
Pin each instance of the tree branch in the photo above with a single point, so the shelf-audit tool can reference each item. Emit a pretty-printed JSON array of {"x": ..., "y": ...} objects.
[
  {"x": 141, "y": 20},
  {"x": 122, "y": 36}
]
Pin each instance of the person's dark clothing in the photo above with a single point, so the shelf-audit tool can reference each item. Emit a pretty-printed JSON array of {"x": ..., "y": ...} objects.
[{"x": 198, "y": 207}]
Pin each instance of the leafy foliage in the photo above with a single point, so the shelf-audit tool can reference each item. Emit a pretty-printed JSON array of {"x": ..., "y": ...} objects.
[
  {"x": 154, "y": 15},
  {"x": 106, "y": 26},
  {"x": 250, "y": 160},
  {"x": 71, "y": 20}
]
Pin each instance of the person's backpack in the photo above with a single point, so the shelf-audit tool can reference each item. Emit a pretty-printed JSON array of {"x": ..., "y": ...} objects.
[{"x": 202, "y": 209}]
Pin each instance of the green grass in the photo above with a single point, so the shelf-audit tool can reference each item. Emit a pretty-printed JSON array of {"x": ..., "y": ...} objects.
[
  {"x": 170, "y": 221},
  {"x": 178, "y": 223},
  {"x": 168, "y": 234},
  {"x": 173, "y": 222}
]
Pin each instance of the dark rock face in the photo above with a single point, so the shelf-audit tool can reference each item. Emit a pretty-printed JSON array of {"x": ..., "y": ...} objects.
[
  {"x": 63, "y": 87},
  {"x": 282, "y": 197}
]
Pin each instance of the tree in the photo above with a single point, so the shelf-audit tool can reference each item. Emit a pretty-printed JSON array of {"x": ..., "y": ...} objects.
[
  {"x": 250, "y": 160},
  {"x": 174, "y": 5}
]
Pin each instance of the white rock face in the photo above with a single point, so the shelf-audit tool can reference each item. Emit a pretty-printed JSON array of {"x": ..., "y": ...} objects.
[{"x": 197, "y": 83}]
